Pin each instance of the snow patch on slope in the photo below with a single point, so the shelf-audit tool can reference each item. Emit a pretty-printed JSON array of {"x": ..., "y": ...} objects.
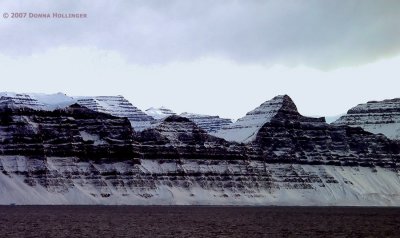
[
  {"x": 54, "y": 101},
  {"x": 245, "y": 129},
  {"x": 37, "y": 101},
  {"x": 20, "y": 100},
  {"x": 159, "y": 113},
  {"x": 78, "y": 182},
  {"x": 120, "y": 107}
]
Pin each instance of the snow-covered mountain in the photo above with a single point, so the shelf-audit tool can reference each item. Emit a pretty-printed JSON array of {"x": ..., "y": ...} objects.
[
  {"x": 37, "y": 101},
  {"x": 75, "y": 155},
  {"x": 206, "y": 122},
  {"x": 159, "y": 113},
  {"x": 114, "y": 105},
  {"x": 245, "y": 129},
  {"x": 376, "y": 117},
  {"x": 120, "y": 107}
]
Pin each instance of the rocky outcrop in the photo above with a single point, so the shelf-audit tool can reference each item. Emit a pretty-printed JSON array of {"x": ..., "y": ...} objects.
[
  {"x": 206, "y": 122},
  {"x": 379, "y": 117},
  {"x": 74, "y": 131},
  {"x": 120, "y": 107}
]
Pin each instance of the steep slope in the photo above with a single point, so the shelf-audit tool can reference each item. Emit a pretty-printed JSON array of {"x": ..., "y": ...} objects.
[
  {"x": 246, "y": 128},
  {"x": 376, "y": 117},
  {"x": 120, "y": 107},
  {"x": 159, "y": 113},
  {"x": 193, "y": 182},
  {"x": 206, "y": 122}
]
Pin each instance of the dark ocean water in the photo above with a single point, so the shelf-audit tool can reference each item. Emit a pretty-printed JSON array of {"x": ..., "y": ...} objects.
[{"x": 192, "y": 221}]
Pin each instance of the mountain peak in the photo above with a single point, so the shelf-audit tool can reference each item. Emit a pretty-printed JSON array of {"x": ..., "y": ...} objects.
[
  {"x": 288, "y": 104},
  {"x": 245, "y": 129},
  {"x": 280, "y": 102}
]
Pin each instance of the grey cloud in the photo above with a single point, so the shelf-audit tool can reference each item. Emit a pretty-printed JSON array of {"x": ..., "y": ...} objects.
[{"x": 322, "y": 34}]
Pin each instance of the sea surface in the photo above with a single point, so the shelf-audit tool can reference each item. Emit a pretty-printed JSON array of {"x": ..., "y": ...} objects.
[{"x": 197, "y": 221}]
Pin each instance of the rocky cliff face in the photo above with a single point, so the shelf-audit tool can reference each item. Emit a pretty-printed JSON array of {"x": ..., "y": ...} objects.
[
  {"x": 206, "y": 122},
  {"x": 290, "y": 137},
  {"x": 120, "y": 107},
  {"x": 71, "y": 132},
  {"x": 275, "y": 156},
  {"x": 277, "y": 133},
  {"x": 379, "y": 117}
]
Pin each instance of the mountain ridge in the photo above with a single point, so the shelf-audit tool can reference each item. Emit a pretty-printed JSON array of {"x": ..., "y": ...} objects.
[
  {"x": 76, "y": 155},
  {"x": 376, "y": 117}
]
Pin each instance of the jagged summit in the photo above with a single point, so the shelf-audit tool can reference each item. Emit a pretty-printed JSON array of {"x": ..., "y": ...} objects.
[
  {"x": 245, "y": 129},
  {"x": 376, "y": 117}
]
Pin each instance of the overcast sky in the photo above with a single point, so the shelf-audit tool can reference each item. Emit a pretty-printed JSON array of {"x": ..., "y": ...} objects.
[{"x": 213, "y": 57}]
